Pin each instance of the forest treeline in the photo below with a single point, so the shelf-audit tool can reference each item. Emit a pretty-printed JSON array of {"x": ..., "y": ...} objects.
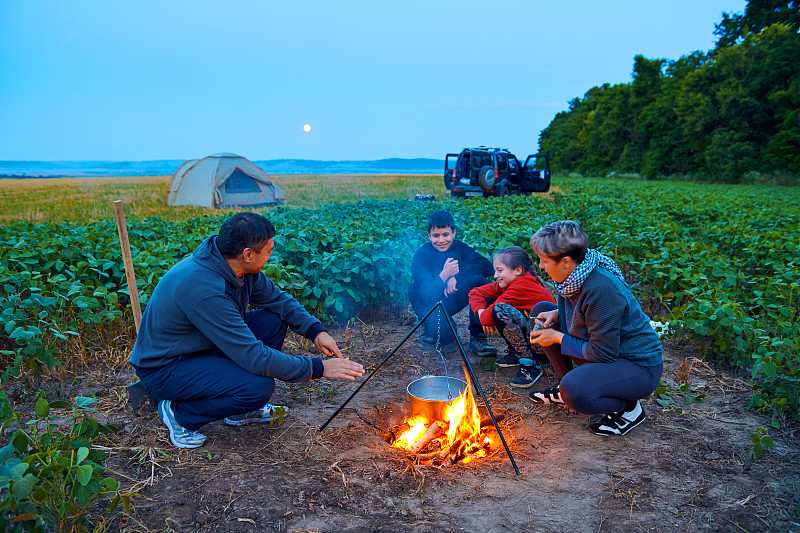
[{"x": 731, "y": 114}]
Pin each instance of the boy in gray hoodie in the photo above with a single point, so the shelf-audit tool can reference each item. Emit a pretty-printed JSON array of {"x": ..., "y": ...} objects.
[{"x": 206, "y": 355}]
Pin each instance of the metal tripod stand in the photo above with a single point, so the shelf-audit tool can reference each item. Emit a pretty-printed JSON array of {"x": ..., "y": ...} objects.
[{"x": 474, "y": 378}]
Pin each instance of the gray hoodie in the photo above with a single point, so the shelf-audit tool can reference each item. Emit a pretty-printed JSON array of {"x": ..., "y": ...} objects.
[
  {"x": 604, "y": 322},
  {"x": 200, "y": 304}
]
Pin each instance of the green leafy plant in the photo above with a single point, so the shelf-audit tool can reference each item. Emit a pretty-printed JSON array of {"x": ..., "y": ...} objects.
[
  {"x": 50, "y": 474},
  {"x": 761, "y": 440},
  {"x": 690, "y": 394},
  {"x": 665, "y": 394}
]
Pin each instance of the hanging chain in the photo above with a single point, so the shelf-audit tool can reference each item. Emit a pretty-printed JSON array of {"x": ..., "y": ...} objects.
[{"x": 438, "y": 349}]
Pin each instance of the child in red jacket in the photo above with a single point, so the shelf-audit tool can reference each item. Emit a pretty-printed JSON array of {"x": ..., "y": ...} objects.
[{"x": 502, "y": 307}]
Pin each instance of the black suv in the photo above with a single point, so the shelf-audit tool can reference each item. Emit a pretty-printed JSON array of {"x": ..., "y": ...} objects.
[{"x": 487, "y": 172}]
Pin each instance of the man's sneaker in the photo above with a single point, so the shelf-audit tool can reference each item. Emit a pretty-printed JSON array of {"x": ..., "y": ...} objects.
[
  {"x": 179, "y": 435},
  {"x": 546, "y": 396},
  {"x": 529, "y": 372},
  {"x": 268, "y": 413},
  {"x": 509, "y": 359},
  {"x": 619, "y": 423},
  {"x": 481, "y": 348}
]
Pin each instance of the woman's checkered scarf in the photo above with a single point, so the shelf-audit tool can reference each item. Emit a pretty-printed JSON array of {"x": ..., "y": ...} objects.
[{"x": 574, "y": 281}]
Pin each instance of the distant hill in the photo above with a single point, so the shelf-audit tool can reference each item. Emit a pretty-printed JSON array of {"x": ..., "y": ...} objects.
[{"x": 56, "y": 169}]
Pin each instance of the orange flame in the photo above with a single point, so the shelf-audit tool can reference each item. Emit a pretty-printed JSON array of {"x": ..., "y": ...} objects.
[
  {"x": 463, "y": 436},
  {"x": 410, "y": 436}
]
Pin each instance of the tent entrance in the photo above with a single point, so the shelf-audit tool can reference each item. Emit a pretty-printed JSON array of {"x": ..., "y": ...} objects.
[
  {"x": 240, "y": 189},
  {"x": 241, "y": 183}
]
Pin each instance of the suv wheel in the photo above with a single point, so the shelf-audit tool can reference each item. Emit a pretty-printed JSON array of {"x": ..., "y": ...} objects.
[
  {"x": 486, "y": 178},
  {"x": 505, "y": 190}
]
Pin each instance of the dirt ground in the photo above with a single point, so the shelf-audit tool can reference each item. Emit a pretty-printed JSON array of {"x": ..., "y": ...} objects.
[{"x": 684, "y": 469}]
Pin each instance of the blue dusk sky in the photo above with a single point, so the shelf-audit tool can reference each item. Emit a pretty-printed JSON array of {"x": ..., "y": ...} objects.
[{"x": 174, "y": 79}]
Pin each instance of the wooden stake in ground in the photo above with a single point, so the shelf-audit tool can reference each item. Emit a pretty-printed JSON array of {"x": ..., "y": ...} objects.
[
  {"x": 140, "y": 400},
  {"x": 126, "y": 257}
]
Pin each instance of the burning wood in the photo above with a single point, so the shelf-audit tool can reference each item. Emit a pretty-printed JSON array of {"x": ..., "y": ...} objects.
[
  {"x": 435, "y": 429},
  {"x": 461, "y": 437},
  {"x": 486, "y": 421}
]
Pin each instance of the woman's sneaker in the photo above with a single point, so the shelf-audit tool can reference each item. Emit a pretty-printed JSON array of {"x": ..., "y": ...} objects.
[
  {"x": 546, "y": 396},
  {"x": 268, "y": 413},
  {"x": 619, "y": 423},
  {"x": 179, "y": 435},
  {"x": 529, "y": 372}
]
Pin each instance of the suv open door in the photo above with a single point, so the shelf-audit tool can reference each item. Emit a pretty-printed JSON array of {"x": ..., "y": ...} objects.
[
  {"x": 536, "y": 174},
  {"x": 449, "y": 169}
]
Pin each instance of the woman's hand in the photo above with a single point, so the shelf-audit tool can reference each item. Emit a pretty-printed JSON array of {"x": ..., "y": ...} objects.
[
  {"x": 327, "y": 345},
  {"x": 342, "y": 369},
  {"x": 547, "y": 318},
  {"x": 490, "y": 330},
  {"x": 546, "y": 337},
  {"x": 451, "y": 286}
]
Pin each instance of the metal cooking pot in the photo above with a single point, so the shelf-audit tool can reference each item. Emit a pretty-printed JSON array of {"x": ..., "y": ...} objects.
[{"x": 429, "y": 395}]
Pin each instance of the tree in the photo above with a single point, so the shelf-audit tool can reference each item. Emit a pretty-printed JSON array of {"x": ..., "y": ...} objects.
[
  {"x": 732, "y": 114},
  {"x": 758, "y": 14}
]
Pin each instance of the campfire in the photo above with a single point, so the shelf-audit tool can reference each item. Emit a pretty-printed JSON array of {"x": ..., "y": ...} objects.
[
  {"x": 456, "y": 434},
  {"x": 441, "y": 431}
]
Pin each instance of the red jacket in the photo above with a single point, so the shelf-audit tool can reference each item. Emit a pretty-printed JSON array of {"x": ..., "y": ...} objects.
[{"x": 522, "y": 293}]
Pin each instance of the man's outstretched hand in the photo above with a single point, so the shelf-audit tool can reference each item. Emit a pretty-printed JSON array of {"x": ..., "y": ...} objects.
[
  {"x": 336, "y": 368},
  {"x": 327, "y": 345}
]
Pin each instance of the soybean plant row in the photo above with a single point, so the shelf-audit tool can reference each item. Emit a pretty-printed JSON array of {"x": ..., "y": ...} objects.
[{"x": 718, "y": 263}]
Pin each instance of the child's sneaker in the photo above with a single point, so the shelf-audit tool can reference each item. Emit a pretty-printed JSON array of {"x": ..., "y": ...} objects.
[
  {"x": 529, "y": 372},
  {"x": 268, "y": 413},
  {"x": 481, "y": 348},
  {"x": 509, "y": 359},
  {"x": 546, "y": 396},
  {"x": 179, "y": 435},
  {"x": 619, "y": 423}
]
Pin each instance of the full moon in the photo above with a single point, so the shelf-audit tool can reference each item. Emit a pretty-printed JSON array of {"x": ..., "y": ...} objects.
[{"x": 306, "y": 127}]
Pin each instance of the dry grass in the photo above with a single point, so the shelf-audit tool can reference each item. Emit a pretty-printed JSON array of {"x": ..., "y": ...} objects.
[{"x": 87, "y": 200}]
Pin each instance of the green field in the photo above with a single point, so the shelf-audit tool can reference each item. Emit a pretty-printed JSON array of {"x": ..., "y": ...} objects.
[{"x": 718, "y": 263}]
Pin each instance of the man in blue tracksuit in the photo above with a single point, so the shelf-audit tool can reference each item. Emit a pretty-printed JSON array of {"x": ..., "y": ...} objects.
[{"x": 208, "y": 356}]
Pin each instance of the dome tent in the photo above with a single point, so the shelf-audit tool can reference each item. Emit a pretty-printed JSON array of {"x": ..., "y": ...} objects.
[{"x": 223, "y": 180}]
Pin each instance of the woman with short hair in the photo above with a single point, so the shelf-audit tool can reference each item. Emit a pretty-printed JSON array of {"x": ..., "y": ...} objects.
[{"x": 599, "y": 326}]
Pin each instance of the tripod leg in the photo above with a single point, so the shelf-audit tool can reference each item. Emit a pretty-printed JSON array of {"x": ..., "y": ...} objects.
[
  {"x": 339, "y": 410},
  {"x": 474, "y": 379}
]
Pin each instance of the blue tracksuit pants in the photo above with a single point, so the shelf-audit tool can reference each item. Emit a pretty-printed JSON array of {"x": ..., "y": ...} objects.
[
  {"x": 207, "y": 386},
  {"x": 422, "y": 304}
]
